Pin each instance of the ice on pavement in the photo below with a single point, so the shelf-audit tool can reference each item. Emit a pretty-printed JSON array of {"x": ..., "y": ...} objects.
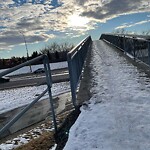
[{"x": 117, "y": 117}]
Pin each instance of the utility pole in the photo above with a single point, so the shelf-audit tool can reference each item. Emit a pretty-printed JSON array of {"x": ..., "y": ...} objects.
[{"x": 26, "y": 49}]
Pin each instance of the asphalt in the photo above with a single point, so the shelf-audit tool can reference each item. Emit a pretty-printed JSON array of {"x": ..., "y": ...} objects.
[{"x": 17, "y": 81}]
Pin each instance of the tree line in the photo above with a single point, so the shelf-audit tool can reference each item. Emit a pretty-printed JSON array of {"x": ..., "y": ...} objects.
[{"x": 55, "y": 52}]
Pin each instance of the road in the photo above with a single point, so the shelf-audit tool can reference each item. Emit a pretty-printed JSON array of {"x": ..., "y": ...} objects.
[{"x": 31, "y": 79}]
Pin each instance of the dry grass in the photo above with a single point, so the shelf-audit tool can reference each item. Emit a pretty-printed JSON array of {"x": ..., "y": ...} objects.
[
  {"x": 44, "y": 142},
  {"x": 47, "y": 139}
]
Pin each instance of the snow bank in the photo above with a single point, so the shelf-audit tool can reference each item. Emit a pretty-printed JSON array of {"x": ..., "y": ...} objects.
[{"x": 117, "y": 117}]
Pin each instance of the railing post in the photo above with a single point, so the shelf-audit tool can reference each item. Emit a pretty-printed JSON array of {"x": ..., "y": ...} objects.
[
  {"x": 25, "y": 109},
  {"x": 73, "y": 91},
  {"x": 124, "y": 44},
  {"x": 134, "y": 49},
  {"x": 75, "y": 60},
  {"x": 137, "y": 47},
  {"x": 49, "y": 85}
]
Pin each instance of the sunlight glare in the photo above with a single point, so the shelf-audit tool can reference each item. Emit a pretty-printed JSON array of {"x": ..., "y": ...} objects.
[{"x": 77, "y": 21}]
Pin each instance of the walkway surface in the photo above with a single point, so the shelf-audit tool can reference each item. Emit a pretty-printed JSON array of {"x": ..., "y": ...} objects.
[{"x": 117, "y": 117}]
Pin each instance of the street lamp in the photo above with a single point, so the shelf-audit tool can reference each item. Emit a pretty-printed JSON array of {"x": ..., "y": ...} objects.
[{"x": 26, "y": 49}]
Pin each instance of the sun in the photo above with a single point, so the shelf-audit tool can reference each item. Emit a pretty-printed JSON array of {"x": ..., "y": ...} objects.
[{"x": 77, "y": 21}]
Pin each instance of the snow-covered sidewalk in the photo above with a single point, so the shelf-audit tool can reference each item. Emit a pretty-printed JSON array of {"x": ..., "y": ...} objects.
[{"x": 117, "y": 117}]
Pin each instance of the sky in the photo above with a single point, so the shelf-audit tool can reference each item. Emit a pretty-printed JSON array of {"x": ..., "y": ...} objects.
[{"x": 42, "y": 22}]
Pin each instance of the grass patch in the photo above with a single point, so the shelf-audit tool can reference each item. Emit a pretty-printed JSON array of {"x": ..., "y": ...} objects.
[{"x": 48, "y": 139}]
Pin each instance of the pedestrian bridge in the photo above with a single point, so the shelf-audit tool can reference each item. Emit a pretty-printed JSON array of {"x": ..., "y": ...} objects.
[
  {"x": 117, "y": 114},
  {"x": 115, "y": 75},
  {"x": 112, "y": 51}
]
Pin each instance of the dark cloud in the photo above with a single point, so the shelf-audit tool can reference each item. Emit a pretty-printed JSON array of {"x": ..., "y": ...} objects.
[
  {"x": 114, "y": 8},
  {"x": 29, "y": 24},
  {"x": 11, "y": 38}
]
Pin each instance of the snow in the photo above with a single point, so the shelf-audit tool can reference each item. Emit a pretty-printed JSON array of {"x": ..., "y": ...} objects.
[
  {"x": 119, "y": 108},
  {"x": 26, "y": 69},
  {"x": 26, "y": 137},
  {"x": 13, "y": 98},
  {"x": 54, "y": 147},
  {"x": 7, "y": 146}
]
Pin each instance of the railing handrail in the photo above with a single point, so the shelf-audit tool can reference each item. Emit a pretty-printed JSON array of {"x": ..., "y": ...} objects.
[
  {"x": 45, "y": 60},
  {"x": 21, "y": 65},
  {"x": 76, "y": 48},
  {"x": 81, "y": 50},
  {"x": 137, "y": 47},
  {"x": 76, "y": 58},
  {"x": 134, "y": 37}
]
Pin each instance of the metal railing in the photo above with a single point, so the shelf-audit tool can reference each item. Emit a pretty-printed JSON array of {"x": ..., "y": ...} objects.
[
  {"x": 137, "y": 47},
  {"x": 76, "y": 58},
  {"x": 45, "y": 60}
]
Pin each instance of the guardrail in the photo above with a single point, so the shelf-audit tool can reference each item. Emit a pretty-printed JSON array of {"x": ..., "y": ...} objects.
[
  {"x": 45, "y": 60},
  {"x": 76, "y": 58},
  {"x": 137, "y": 47}
]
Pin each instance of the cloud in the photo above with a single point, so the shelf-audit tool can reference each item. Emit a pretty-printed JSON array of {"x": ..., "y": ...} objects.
[
  {"x": 12, "y": 38},
  {"x": 131, "y": 25},
  {"x": 105, "y": 10},
  {"x": 40, "y": 19}
]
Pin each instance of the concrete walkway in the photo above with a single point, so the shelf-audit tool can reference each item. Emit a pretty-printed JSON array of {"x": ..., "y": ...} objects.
[
  {"x": 88, "y": 79},
  {"x": 117, "y": 116}
]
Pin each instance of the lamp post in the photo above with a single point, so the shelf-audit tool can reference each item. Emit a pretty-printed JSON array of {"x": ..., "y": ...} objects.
[{"x": 26, "y": 49}]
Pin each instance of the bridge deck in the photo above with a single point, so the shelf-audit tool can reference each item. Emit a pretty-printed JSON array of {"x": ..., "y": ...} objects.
[{"x": 117, "y": 116}]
